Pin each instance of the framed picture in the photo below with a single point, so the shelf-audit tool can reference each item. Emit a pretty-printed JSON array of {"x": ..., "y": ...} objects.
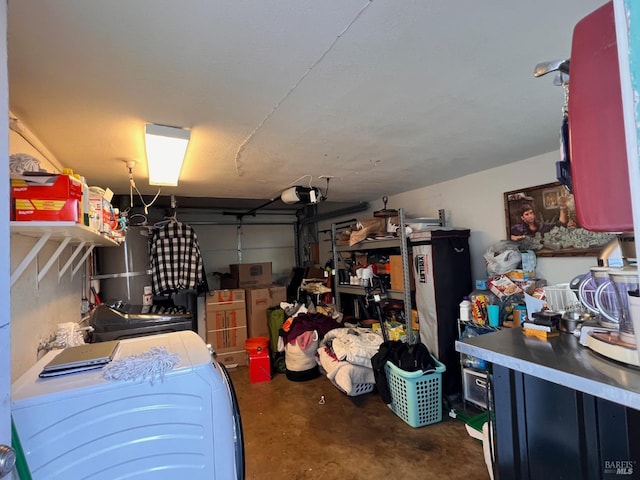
[{"x": 543, "y": 219}]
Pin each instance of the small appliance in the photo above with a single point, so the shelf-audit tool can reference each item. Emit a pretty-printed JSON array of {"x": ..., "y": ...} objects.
[
  {"x": 617, "y": 344},
  {"x": 588, "y": 285},
  {"x": 623, "y": 281}
]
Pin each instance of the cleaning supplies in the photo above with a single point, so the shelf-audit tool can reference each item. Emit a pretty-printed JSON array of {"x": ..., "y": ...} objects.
[{"x": 465, "y": 310}]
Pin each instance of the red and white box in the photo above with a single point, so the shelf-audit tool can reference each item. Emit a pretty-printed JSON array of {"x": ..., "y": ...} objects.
[
  {"x": 46, "y": 186},
  {"x": 47, "y": 210}
]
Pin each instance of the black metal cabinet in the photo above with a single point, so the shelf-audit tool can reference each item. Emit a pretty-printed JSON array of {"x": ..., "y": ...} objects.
[
  {"x": 559, "y": 410},
  {"x": 548, "y": 431}
]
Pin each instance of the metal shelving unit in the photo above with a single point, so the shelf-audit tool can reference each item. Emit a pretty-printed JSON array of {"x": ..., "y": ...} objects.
[
  {"x": 400, "y": 244},
  {"x": 67, "y": 233}
]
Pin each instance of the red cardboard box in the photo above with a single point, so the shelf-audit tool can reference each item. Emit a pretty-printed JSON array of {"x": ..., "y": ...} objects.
[
  {"x": 47, "y": 186},
  {"x": 46, "y": 210}
]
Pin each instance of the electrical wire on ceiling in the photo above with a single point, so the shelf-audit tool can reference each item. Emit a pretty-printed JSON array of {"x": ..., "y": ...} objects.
[
  {"x": 295, "y": 86},
  {"x": 132, "y": 187}
]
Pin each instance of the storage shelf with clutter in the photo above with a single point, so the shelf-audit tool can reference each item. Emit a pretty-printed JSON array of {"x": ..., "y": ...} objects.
[
  {"x": 353, "y": 248},
  {"x": 55, "y": 207}
]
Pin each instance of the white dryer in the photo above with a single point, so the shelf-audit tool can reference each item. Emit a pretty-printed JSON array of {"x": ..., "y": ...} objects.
[{"x": 83, "y": 426}]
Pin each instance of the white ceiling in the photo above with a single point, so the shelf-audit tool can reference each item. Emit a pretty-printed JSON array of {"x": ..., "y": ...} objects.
[{"x": 385, "y": 96}]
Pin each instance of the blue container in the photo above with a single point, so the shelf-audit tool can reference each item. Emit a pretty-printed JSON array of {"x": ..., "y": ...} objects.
[{"x": 416, "y": 396}]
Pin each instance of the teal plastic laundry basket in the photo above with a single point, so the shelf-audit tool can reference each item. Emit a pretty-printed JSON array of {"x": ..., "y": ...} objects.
[{"x": 416, "y": 397}]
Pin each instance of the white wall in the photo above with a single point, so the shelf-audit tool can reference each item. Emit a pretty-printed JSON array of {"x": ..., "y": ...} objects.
[
  {"x": 476, "y": 202},
  {"x": 36, "y": 309}
]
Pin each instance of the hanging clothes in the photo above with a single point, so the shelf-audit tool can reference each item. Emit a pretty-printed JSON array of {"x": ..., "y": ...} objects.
[{"x": 176, "y": 263}]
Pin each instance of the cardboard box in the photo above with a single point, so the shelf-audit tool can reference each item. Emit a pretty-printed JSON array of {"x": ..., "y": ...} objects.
[
  {"x": 503, "y": 287},
  {"x": 47, "y": 186},
  {"x": 101, "y": 214},
  {"x": 227, "y": 339},
  {"x": 259, "y": 300},
  {"x": 217, "y": 320},
  {"x": 397, "y": 279},
  {"x": 35, "y": 209},
  {"x": 246, "y": 275},
  {"x": 233, "y": 359},
  {"x": 224, "y": 297},
  {"x": 226, "y": 321}
]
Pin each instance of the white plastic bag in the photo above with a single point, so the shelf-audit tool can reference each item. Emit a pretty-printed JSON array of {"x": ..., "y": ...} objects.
[{"x": 502, "y": 257}]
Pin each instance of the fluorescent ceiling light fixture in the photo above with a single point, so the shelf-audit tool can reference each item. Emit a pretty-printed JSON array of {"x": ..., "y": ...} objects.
[{"x": 166, "y": 147}]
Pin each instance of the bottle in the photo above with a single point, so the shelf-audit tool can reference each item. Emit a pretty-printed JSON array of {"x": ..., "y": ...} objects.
[
  {"x": 465, "y": 310},
  {"x": 480, "y": 298}
]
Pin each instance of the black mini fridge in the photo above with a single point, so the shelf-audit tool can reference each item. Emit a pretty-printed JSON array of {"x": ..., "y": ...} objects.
[{"x": 442, "y": 272}]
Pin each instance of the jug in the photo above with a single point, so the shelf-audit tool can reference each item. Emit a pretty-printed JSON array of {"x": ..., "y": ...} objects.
[{"x": 623, "y": 280}]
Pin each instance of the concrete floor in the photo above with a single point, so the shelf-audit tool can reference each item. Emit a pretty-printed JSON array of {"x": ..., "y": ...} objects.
[{"x": 289, "y": 434}]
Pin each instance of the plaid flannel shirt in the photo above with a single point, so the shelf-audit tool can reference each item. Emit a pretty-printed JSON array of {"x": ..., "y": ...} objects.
[{"x": 176, "y": 263}]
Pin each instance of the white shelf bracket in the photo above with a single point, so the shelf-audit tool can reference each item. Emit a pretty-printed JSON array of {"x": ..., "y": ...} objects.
[
  {"x": 81, "y": 262},
  {"x": 29, "y": 257},
  {"x": 73, "y": 256},
  {"x": 53, "y": 258}
]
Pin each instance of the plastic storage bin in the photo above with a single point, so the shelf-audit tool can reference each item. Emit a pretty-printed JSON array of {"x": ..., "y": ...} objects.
[
  {"x": 416, "y": 397},
  {"x": 474, "y": 386}
]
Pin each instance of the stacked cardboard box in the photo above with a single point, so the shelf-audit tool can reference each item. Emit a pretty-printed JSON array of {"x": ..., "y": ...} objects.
[
  {"x": 259, "y": 300},
  {"x": 46, "y": 198},
  {"x": 245, "y": 275},
  {"x": 226, "y": 323},
  {"x": 257, "y": 282}
]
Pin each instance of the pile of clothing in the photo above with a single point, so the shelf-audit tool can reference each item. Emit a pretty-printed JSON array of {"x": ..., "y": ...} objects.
[{"x": 299, "y": 337}]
